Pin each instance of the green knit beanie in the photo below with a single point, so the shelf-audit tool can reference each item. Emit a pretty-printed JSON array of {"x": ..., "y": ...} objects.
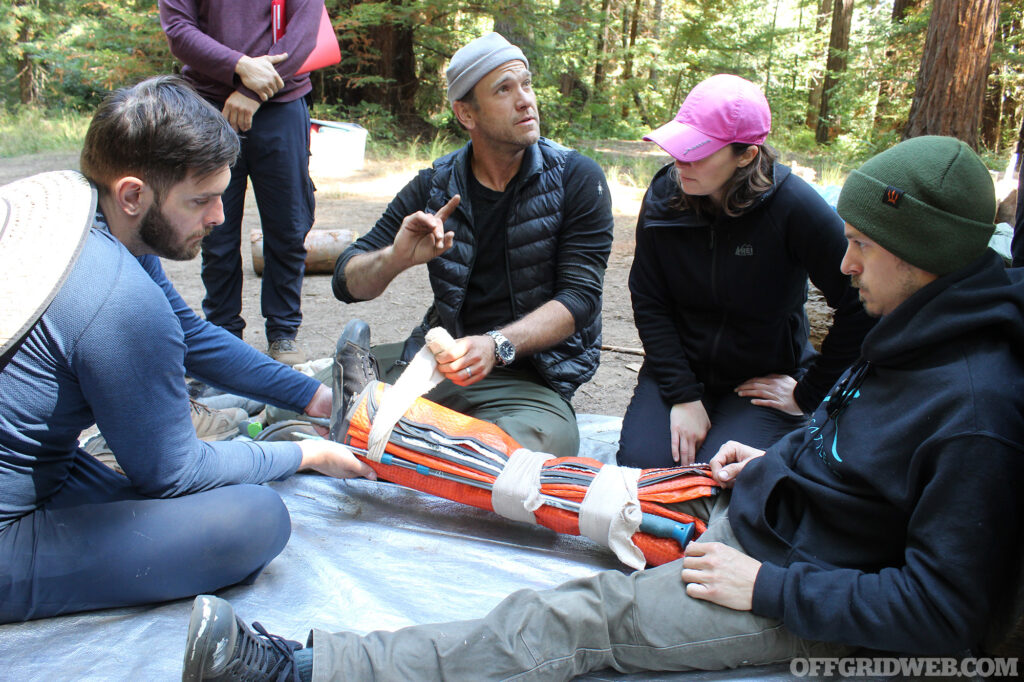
[{"x": 928, "y": 200}]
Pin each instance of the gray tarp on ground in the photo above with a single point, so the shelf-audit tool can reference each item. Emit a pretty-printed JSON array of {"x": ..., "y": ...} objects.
[{"x": 362, "y": 556}]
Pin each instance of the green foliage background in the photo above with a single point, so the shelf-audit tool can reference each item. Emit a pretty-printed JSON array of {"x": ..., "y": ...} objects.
[{"x": 77, "y": 50}]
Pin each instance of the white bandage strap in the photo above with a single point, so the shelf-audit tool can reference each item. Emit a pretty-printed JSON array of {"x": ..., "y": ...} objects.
[
  {"x": 516, "y": 491},
  {"x": 417, "y": 378},
  {"x": 610, "y": 513}
]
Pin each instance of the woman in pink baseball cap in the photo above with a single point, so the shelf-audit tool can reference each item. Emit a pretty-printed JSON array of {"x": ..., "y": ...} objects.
[{"x": 725, "y": 242}]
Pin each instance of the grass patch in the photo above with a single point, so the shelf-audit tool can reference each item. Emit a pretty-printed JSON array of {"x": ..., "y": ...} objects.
[
  {"x": 417, "y": 151},
  {"x": 632, "y": 171},
  {"x": 26, "y": 130}
]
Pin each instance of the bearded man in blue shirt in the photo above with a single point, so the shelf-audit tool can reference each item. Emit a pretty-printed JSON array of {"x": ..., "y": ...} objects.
[{"x": 103, "y": 337}]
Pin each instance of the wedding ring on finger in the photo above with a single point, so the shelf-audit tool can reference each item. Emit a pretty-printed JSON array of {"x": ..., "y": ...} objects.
[{"x": 469, "y": 372}]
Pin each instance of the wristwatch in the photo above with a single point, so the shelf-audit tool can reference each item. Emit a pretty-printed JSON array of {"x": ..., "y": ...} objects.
[{"x": 504, "y": 351}]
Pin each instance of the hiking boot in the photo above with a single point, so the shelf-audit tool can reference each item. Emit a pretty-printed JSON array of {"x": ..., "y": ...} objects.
[
  {"x": 226, "y": 401},
  {"x": 210, "y": 424},
  {"x": 219, "y": 646},
  {"x": 286, "y": 351},
  {"x": 354, "y": 367},
  {"x": 213, "y": 424}
]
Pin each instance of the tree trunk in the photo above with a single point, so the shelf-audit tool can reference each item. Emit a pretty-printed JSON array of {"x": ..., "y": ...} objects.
[
  {"x": 838, "y": 45},
  {"x": 1000, "y": 104},
  {"x": 889, "y": 90},
  {"x": 602, "y": 47},
  {"x": 901, "y": 7},
  {"x": 573, "y": 21},
  {"x": 627, "y": 71},
  {"x": 659, "y": 12},
  {"x": 27, "y": 69},
  {"x": 954, "y": 70},
  {"x": 993, "y": 102},
  {"x": 771, "y": 48},
  {"x": 398, "y": 64},
  {"x": 512, "y": 21},
  {"x": 815, "y": 80},
  {"x": 382, "y": 55}
]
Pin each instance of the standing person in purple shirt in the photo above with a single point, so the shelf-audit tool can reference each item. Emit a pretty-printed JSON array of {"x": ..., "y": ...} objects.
[{"x": 230, "y": 57}]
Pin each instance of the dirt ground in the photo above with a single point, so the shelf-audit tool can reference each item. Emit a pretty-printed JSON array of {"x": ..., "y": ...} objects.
[{"x": 355, "y": 202}]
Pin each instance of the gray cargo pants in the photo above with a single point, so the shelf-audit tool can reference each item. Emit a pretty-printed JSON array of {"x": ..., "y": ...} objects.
[{"x": 641, "y": 621}]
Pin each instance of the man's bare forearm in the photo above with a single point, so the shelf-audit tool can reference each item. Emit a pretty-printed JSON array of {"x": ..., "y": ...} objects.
[
  {"x": 369, "y": 274},
  {"x": 544, "y": 327},
  {"x": 420, "y": 238}
]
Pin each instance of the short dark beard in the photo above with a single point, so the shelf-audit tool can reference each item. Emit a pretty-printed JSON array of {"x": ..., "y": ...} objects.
[{"x": 158, "y": 234}]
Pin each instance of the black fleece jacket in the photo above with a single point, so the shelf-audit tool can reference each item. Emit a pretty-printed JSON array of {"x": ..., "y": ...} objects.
[
  {"x": 893, "y": 523},
  {"x": 718, "y": 302},
  {"x": 558, "y": 236}
]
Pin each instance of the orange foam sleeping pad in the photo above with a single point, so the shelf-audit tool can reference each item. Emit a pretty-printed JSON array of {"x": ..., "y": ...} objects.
[{"x": 457, "y": 426}]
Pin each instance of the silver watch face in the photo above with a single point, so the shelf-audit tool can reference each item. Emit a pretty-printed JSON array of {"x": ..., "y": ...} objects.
[{"x": 506, "y": 352}]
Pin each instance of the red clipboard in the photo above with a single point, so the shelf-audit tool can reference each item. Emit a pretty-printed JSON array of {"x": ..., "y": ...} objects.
[
  {"x": 326, "y": 52},
  {"x": 277, "y": 19}
]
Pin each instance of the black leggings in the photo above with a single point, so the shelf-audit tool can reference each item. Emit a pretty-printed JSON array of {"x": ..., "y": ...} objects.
[
  {"x": 98, "y": 543},
  {"x": 646, "y": 443}
]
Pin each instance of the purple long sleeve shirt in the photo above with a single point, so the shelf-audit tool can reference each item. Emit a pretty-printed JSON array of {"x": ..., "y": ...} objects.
[{"x": 210, "y": 36}]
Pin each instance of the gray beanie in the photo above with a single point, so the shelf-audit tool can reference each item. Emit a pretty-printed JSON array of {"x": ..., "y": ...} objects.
[
  {"x": 929, "y": 200},
  {"x": 477, "y": 59}
]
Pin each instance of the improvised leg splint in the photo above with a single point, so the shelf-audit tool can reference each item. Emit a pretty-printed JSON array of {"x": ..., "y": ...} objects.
[{"x": 441, "y": 452}]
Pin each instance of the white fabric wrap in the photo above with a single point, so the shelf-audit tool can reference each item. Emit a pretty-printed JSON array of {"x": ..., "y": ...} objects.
[
  {"x": 516, "y": 491},
  {"x": 417, "y": 378},
  {"x": 610, "y": 513}
]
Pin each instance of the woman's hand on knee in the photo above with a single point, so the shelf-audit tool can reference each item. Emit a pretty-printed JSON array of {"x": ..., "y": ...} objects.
[
  {"x": 688, "y": 426},
  {"x": 774, "y": 391},
  {"x": 333, "y": 459}
]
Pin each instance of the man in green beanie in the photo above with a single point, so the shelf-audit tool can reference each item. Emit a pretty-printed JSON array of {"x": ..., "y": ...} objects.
[
  {"x": 928, "y": 204},
  {"x": 891, "y": 522}
]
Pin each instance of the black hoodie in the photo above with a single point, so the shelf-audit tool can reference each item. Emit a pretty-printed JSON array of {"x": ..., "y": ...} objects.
[
  {"x": 719, "y": 302},
  {"x": 892, "y": 524}
]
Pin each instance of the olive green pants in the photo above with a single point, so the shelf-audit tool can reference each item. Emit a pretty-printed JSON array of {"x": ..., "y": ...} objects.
[{"x": 516, "y": 400}]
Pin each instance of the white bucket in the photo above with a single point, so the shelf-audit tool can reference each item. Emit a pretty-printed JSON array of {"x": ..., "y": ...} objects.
[{"x": 335, "y": 149}]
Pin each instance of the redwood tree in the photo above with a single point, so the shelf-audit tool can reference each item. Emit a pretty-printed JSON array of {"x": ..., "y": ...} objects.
[
  {"x": 838, "y": 46},
  {"x": 378, "y": 65},
  {"x": 894, "y": 82},
  {"x": 814, "y": 82},
  {"x": 954, "y": 70}
]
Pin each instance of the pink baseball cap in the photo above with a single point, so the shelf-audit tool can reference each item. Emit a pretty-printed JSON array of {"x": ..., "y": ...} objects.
[{"x": 718, "y": 111}]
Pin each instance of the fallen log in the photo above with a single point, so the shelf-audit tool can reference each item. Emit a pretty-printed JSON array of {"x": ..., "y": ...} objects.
[{"x": 322, "y": 249}]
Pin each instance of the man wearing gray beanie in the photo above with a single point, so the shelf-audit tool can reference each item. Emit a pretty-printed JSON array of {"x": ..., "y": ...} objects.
[
  {"x": 515, "y": 231},
  {"x": 891, "y": 522}
]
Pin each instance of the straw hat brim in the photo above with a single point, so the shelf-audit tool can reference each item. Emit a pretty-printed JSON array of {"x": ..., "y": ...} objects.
[{"x": 44, "y": 220}]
